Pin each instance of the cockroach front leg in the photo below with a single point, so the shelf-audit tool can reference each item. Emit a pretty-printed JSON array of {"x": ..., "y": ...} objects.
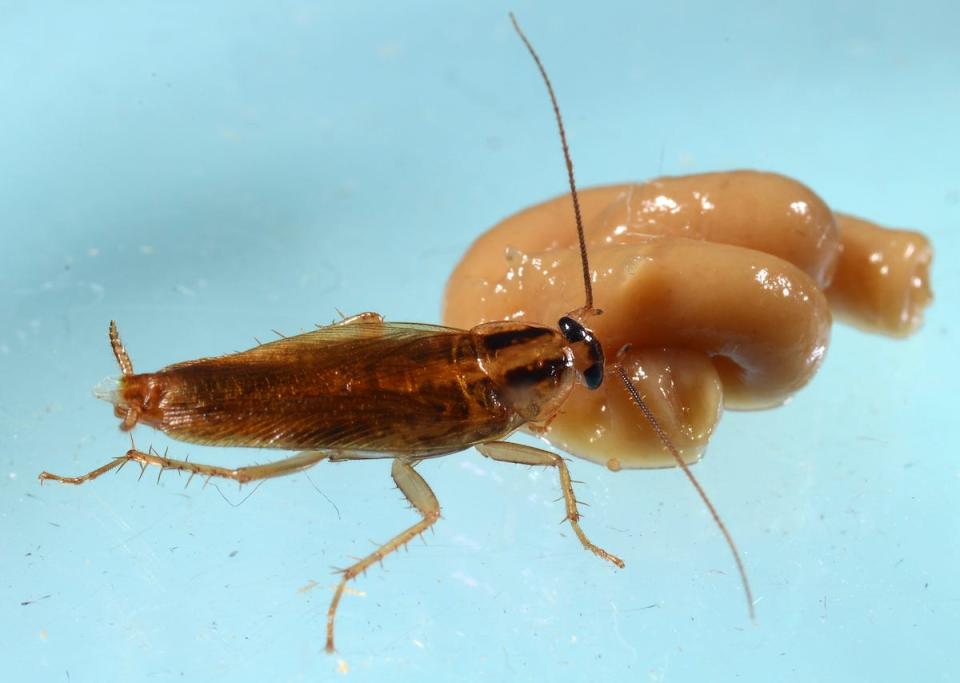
[
  {"x": 504, "y": 451},
  {"x": 418, "y": 492},
  {"x": 295, "y": 463}
]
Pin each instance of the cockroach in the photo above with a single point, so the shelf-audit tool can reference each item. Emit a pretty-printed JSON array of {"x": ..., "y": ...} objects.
[{"x": 366, "y": 388}]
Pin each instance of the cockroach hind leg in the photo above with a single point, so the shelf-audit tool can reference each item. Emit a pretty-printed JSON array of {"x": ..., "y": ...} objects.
[
  {"x": 279, "y": 468},
  {"x": 116, "y": 463},
  {"x": 504, "y": 451},
  {"x": 418, "y": 492}
]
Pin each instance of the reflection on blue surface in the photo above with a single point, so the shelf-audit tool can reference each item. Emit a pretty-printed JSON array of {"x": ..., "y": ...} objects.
[{"x": 204, "y": 174}]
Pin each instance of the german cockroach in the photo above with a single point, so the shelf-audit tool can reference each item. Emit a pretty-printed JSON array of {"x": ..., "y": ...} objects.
[{"x": 367, "y": 388}]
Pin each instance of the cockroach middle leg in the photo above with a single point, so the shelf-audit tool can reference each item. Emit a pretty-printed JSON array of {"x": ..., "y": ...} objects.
[
  {"x": 505, "y": 451},
  {"x": 418, "y": 492},
  {"x": 278, "y": 468}
]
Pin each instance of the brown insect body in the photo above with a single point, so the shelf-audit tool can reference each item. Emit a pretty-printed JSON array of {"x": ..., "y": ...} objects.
[{"x": 363, "y": 387}]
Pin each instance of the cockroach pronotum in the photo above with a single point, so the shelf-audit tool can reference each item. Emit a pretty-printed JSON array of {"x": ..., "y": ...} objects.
[{"x": 366, "y": 388}]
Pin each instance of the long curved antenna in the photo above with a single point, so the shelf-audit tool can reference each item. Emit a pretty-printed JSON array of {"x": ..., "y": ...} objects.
[
  {"x": 669, "y": 445},
  {"x": 587, "y": 285}
]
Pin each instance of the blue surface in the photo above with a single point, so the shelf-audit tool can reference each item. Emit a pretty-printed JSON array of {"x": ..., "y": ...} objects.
[{"x": 205, "y": 174}]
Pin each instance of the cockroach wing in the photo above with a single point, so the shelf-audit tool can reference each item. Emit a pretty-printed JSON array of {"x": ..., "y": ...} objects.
[{"x": 368, "y": 388}]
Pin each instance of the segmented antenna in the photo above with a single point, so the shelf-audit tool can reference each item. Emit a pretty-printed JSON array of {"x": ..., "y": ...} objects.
[
  {"x": 587, "y": 285},
  {"x": 630, "y": 387},
  {"x": 120, "y": 353},
  {"x": 668, "y": 444}
]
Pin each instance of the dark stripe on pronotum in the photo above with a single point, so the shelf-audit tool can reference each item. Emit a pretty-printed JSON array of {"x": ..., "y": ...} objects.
[
  {"x": 535, "y": 373},
  {"x": 502, "y": 340}
]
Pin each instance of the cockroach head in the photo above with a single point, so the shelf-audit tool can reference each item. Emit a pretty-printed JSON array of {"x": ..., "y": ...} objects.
[{"x": 587, "y": 350}]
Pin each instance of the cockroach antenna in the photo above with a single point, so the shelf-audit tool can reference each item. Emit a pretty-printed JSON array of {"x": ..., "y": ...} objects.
[
  {"x": 587, "y": 283},
  {"x": 669, "y": 445},
  {"x": 618, "y": 368}
]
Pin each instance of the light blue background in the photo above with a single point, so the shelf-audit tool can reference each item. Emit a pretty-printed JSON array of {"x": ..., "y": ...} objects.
[{"x": 207, "y": 173}]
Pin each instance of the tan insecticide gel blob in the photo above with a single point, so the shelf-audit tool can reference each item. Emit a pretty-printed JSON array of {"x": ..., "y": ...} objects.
[{"x": 717, "y": 287}]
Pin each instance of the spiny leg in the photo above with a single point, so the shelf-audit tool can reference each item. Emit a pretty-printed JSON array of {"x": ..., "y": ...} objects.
[
  {"x": 295, "y": 463},
  {"x": 504, "y": 451},
  {"x": 418, "y": 492}
]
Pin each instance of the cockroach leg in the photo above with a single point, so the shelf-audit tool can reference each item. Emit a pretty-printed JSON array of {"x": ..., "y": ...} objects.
[
  {"x": 504, "y": 451},
  {"x": 418, "y": 492},
  {"x": 93, "y": 474},
  {"x": 295, "y": 463},
  {"x": 366, "y": 317}
]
